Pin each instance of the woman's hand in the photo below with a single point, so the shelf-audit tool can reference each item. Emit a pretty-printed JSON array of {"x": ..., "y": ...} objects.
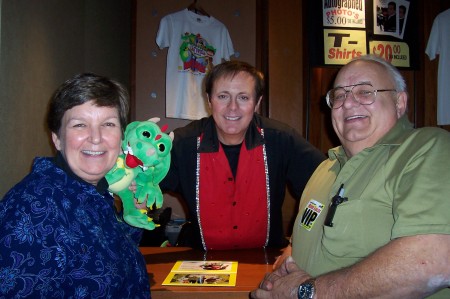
[
  {"x": 287, "y": 251},
  {"x": 139, "y": 206}
]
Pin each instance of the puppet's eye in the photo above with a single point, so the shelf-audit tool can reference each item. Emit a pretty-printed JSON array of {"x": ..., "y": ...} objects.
[
  {"x": 161, "y": 147},
  {"x": 146, "y": 134}
]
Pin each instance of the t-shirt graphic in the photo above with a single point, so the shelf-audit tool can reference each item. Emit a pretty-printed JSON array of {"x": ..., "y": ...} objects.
[
  {"x": 196, "y": 53},
  {"x": 196, "y": 43}
]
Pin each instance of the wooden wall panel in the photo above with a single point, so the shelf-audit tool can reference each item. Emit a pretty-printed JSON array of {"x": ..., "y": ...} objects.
[
  {"x": 321, "y": 132},
  {"x": 285, "y": 75},
  {"x": 285, "y": 64}
]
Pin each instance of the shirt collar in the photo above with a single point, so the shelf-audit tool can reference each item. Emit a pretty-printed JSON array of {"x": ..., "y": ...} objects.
[
  {"x": 60, "y": 161},
  {"x": 210, "y": 141},
  {"x": 398, "y": 133},
  {"x": 401, "y": 130}
]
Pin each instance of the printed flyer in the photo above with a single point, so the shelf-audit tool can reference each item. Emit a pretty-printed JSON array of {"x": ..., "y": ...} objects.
[
  {"x": 202, "y": 273},
  {"x": 344, "y": 13}
]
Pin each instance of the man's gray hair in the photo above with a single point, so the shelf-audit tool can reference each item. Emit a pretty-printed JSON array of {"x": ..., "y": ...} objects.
[{"x": 400, "y": 84}]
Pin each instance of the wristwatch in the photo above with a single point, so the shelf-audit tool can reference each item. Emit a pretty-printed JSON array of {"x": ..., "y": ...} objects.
[{"x": 307, "y": 289}]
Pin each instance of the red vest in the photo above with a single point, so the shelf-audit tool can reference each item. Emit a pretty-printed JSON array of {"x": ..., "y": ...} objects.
[{"x": 233, "y": 213}]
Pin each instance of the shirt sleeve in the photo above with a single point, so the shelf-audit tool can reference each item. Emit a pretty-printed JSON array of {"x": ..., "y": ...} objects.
[
  {"x": 164, "y": 31},
  {"x": 421, "y": 204},
  {"x": 227, "y": 45},
  {"x": 433, "y": 46}
]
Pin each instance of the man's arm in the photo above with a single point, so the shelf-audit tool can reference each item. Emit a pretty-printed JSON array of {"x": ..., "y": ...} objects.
[{"x": 408, "y": 267}]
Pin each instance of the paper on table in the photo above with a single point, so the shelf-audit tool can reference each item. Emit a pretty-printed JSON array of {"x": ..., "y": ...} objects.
[{"x": 202, "y": 273}]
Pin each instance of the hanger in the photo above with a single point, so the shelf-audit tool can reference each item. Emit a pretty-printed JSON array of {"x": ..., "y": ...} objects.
[{"x": 195, "y": 8}]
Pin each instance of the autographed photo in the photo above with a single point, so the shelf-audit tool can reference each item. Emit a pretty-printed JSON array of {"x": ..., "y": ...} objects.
[{"x": 390, "y": 17}]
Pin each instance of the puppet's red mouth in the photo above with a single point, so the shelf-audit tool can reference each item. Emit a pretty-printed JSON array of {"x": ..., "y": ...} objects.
[{"x": 133, "y": 161}]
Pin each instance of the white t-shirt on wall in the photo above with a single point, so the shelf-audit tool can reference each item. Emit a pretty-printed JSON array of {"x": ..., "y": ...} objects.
[
  {"x": 439, "y": 43},
  {"x": 196, "y": 43}
]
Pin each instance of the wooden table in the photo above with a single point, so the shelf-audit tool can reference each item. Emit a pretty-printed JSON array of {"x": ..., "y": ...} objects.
[{"x": 253, "y": 264}]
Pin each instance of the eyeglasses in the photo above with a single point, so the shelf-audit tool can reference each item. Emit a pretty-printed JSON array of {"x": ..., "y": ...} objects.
[{"x": 363, "y": 93}]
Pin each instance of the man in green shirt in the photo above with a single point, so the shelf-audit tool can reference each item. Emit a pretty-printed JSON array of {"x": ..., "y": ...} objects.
[{"x": 374, "y": 219}]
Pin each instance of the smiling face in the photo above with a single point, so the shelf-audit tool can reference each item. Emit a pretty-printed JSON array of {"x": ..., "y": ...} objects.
[
  {"x": 391, "y": 9},
  {"x": 233, "y": 102},
  {"x": 361, "y": 126},
  {"x": 89, "y": 140}
]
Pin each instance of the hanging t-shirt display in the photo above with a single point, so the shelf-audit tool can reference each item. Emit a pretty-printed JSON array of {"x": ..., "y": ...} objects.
[
  {"x": 439, "y": 44},
  {"x": 196, "y": 43}
]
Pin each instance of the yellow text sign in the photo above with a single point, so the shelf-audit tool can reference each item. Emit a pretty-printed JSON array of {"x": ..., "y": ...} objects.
[
  {"x": 397, "y": 53},
  {"x": 341, "y": 46}
]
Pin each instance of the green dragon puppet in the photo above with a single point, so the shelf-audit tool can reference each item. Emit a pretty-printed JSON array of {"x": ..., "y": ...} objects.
[{"x": 145, "y": 160}]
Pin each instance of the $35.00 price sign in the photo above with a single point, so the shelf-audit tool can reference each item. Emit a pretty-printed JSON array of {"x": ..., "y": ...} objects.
[{"x": 397, "y": 53}]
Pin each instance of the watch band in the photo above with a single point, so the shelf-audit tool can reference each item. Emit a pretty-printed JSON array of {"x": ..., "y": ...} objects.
[{"x": 307, "y": 289}]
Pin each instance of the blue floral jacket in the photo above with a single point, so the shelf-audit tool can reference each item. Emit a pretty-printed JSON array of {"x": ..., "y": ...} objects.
[{"x": 61, "y": 238}]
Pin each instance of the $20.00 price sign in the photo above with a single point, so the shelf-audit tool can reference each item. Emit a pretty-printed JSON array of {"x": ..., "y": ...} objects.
[{"x": 397, "y": 53}]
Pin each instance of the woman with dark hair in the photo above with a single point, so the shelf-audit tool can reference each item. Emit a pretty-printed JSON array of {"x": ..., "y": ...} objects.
[{"x": 60, "y": 236}]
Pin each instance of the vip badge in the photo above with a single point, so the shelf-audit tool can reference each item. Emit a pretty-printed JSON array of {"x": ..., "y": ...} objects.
[{"x": 311, "y": 213}]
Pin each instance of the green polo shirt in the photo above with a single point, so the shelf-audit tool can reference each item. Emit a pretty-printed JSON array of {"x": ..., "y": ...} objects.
[{"x": 399, "y": 187}]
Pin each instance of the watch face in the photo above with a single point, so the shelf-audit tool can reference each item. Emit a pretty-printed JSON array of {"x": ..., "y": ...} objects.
[{"x": 306, "y": 291}]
